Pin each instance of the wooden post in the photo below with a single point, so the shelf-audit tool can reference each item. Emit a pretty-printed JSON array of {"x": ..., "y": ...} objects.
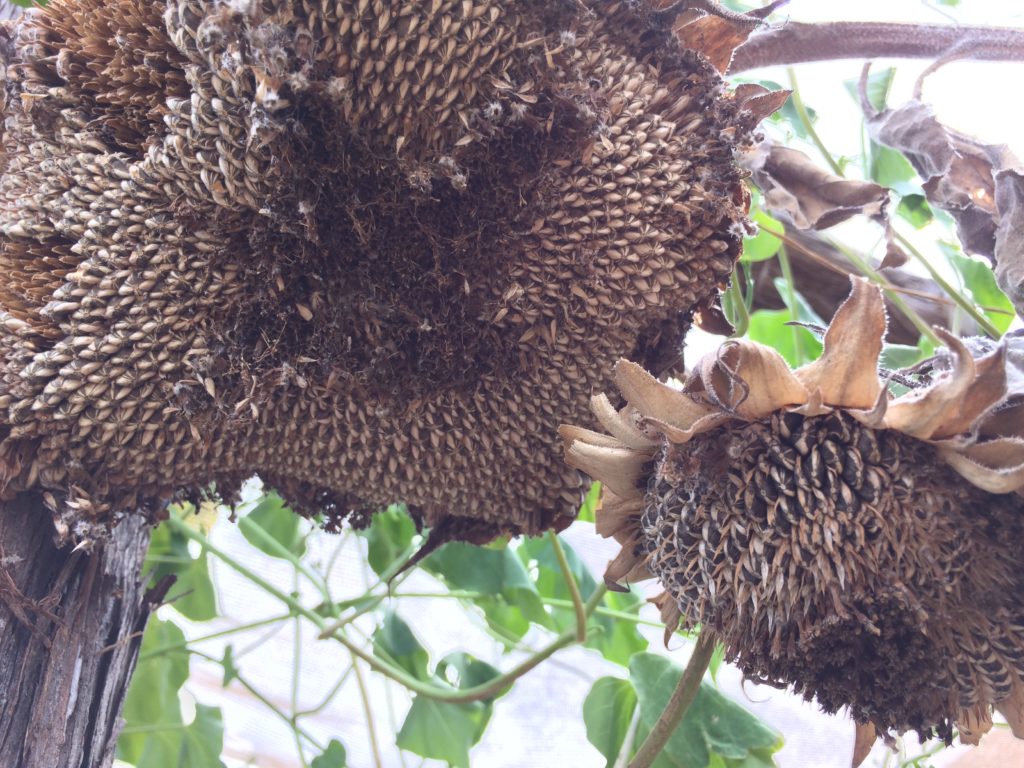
[{"x": 70, "y": 628}]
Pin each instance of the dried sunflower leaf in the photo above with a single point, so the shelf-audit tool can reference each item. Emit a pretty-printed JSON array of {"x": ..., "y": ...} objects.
[{"x": 798, "y": 189}]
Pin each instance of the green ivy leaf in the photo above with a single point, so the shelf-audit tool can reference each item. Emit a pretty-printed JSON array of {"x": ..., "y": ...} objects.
[
  {"x": 891, "y": 169},
  {"x": 589, "y": 505},
  {"x": 395, "y": 642},
  {"x": 440, "y": 731},
  {"x": 764, "y": 245},
  {"x": 228, "y": 663},
  {"x": 202, "y": 740},
  {"x": 768, "y": 326},
  {"x": 273, "y": 517},
  {"x": 896, "y": 357},
  {"x": 509, "y": 600},
  {"x": 155, "y": 734},
  {"x": 980, "y": 282},
  {"x": 914, "y": 208},
  {"x": 388, "y": 537},
  {"x": 607, "y": 712},
  {"x": 333, "y": 757},
  {"x": 192, "y": 593},
  {"x": 713, "y": 725}
]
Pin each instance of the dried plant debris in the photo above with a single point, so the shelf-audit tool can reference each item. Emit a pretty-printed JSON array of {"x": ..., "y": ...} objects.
[
  {"x": 369, "y": 249},
  {"x": 980, "y": 185},
  {"x": 864, "y": 549}
]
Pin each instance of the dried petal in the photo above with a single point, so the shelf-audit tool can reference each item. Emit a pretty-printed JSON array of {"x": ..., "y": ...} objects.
[
  {"x": 653, "y": 399},
  {"x": 847, "y": 371},
  {"x": 747, "y": 379},
  {"x": 618, "y": 468},
  {"x": 997, "y": 466},
  {"x": 922, "y": 413},
  {"x": 618, "y": 423}
]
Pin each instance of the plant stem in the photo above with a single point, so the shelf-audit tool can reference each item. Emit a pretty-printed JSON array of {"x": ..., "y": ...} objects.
[
  {"x": 554, "y": 602},
  {"x": 797, "y": 42},
  {"x": 681, "y": 699},
  {"x": 266, "y": 702},
  {"x": 159, "y": 651},
  {"x": 805, "y": 118},
  {"x": 961, "y": 301},
  {"x": 486, "y": 690},
  {"x": 256, "y": 530},
  {"x": 483, "y": 691},
  {"x": 791, "y": 302},
  {"x": 368, "y": 710},
  {"x": 574, "y": 590},
  {"x": 252, "y": 576}
]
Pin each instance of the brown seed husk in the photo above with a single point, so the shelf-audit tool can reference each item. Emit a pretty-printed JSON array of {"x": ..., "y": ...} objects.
[{"x": 369, "y": 249}]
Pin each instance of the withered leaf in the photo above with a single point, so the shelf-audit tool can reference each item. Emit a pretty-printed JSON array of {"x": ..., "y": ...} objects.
[
  {"x": 715, "y": 37},
  {"x": 979, "y": 185},
  {"x": 809, "y": 196}
]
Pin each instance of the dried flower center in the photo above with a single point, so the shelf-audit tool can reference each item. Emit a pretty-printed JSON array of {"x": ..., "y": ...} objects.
[{"x": 834, "y": 556}]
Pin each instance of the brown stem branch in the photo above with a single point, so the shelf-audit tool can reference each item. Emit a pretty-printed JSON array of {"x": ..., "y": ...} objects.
[
  {"x": 798, "y": 42},
  {"x": 680, "y": 701}
]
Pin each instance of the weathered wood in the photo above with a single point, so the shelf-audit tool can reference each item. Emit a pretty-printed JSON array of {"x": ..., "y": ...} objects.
[{"x": 70, "y": 629}]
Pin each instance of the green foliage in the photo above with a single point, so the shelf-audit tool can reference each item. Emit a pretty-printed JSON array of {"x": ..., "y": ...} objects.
[
  {"x": 155, "y": 734},
  {"x": 192, "y": 593},
  {"x": 395, "y": 641},
  {"x": 333, "y": 757},
  {"x": 502, "y": 587},
  {"x": 979, "y": 282},
  {"x": 273, "y": 528},
  {"x": 389, "y": 537},
  {"x": 765, "y": 244},
  {"x": 714, "y": 731},
  {"x": 607, "y": 713}
]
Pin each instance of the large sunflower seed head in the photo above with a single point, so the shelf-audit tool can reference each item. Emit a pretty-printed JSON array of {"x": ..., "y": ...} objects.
[{"x": 370, "y": 249}]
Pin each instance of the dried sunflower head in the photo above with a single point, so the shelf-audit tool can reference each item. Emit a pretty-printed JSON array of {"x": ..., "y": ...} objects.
[
  {"x": 863, "y": 548},
  {"x": 369, "y": 249}
]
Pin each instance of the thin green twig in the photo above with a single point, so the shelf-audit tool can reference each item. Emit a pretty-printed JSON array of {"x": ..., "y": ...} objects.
[
  {"x": 371, "y": 728},
  {"x": 805, "y": 118},
  {"x": 486, "y": 690},
  {"x": 161, "y": 650},
  {"x": 961, "y": 301},
  {"x": 574, "y": 589}
]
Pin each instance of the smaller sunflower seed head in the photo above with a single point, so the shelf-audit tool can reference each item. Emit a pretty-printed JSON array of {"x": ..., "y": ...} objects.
[{"x": 816, "y": 523}]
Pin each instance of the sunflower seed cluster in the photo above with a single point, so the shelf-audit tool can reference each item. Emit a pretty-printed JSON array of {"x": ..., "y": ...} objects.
[
  {"x": 370, "y": 249},
  {"x": 846, "y": 562}
]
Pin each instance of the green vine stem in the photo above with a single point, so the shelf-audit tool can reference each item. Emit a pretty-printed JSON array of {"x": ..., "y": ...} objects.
[
  {"x": 805, "y": 118},
  {"x": 486, "y": 690},
  {"x": 961, "y": 301},
  {"x": 476, "y": 693},
  {"x": 574, "y": 589},
  {"x": 680, "y": 701}
]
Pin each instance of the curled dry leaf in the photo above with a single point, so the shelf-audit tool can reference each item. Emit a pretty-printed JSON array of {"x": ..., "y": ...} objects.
[
  {"x": 862, "y": 547},
  {"x": 810, "y": 197},
  {"x": 980, "y": 185}
]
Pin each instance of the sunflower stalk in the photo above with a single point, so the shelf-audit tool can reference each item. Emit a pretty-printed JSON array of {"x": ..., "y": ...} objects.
[{"x": 678, "y": 704}]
